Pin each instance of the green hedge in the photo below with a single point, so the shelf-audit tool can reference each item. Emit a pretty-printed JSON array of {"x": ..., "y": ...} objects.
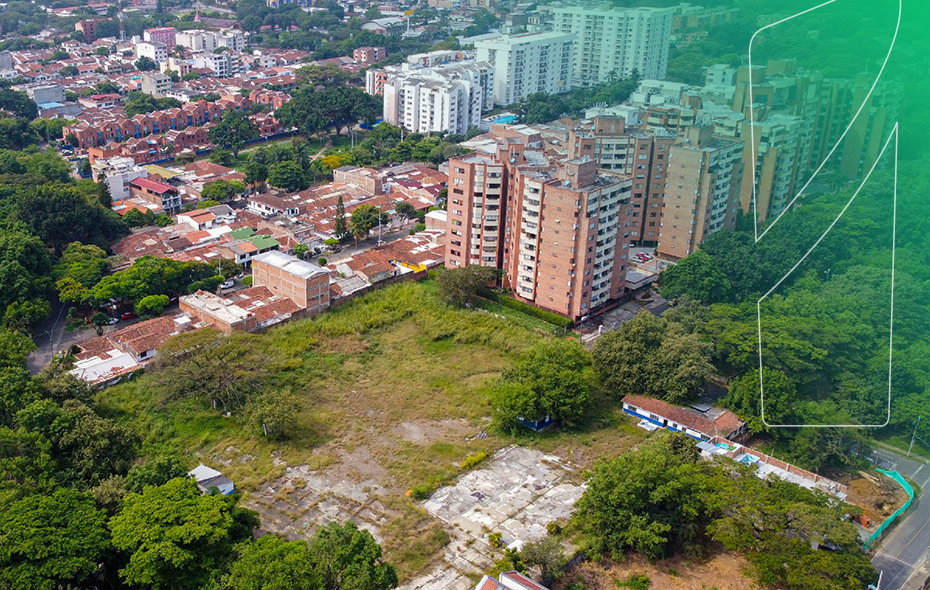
[{"x": 530, "y": 310}]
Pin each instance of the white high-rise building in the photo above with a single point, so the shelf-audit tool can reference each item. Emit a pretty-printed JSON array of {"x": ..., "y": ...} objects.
[
  {"x": 527, "y": 64},
  {"x": 447, "y": 98},
  {"x": 614, "y": 42}
]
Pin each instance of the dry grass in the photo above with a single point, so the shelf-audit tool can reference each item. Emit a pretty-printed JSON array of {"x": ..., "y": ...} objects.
[
  {"x": 721, "y": 571},
  {"x": 393, "y": 387}
]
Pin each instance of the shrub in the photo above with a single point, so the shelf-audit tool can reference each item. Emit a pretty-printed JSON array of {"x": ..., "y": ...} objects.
[
  {"x": 530, "y": 310},
  {"x": 473, "y": 461},
  {"x": 247, "y": 281},
  {"x": 635, "y": 582},
  {"x": 331, "y": 242},
  {"x": 321, "y": 261}
]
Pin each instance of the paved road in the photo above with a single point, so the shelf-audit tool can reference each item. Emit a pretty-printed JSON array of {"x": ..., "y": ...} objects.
[{"x": 904, "y": 548}]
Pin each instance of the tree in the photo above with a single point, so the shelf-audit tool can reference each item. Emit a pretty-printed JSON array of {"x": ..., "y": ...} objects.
[
  {"x": 287, "y": 176},
  {"x": 26, "y": 465},
  {"x": 151, "y": 305},
  {"x": 86, "y": 447},
  {"x": 233, "y": 131},
  {"x": 348, "y": 558},
  {"x": 461, "y": 286},
  {"x": 61, "y": 214},
  {"x": 145, "y": 64},
  {"x": 551, "y": 380},
  {"x": 272, "y": 414},
  {"x": 300, "y": 250},
  {"x": 25, "y": 316},
  {"x": 341, "y": 227},
  {"x": 649, "y": 356},
  {"x": 271, "y": 563},
  {"x": 221, "y": 190},
  {"x": 363, "y": 219},
  {"x": 406, "y": 210},
  {"x": 51, "y": 541},
  {"x": 25, "y": 267},
  {"x": 154, "y": 472},
  {"x": 224, "y": 371},
  {"x": 546, "y": 554},
  {"x": 698, "y": 276},
  {"x": 173, "y": 535},
  {"x": 648, "y": 500},
  {"x": 222, "y": 157}
]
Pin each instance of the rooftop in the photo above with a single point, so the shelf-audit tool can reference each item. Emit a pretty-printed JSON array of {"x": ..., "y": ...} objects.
[{"x": 291, "y": 264}]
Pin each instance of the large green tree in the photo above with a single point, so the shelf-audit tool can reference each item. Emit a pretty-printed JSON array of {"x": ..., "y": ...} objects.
[
  {"x": 270, "y": 563},
  {"x": 349, "y": 558},
  {"x": 174, "y": 536},
  {"x": 553, "y": 379},
  {"x": 51, "y": 541},
  {"x": 234, "y": 131},
  {"x": 651, "y": 356}
]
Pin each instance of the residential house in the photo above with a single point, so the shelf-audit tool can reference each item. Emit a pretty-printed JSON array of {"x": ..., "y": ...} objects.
[{"x": 701, "y": 421}]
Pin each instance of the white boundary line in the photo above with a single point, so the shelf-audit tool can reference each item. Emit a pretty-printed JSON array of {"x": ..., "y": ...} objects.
[
  {"x": 894, "y": 223},
  {"x": 752, "y": 135}
]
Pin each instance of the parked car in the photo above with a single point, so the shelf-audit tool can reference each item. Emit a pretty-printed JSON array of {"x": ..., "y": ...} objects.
[
  {"x": 112, "y": 321},
  {"x": 128, "y": 315},
  {"x": 228, "y": 284}
]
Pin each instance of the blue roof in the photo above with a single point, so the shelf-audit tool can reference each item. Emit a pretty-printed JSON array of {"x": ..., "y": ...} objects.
[{"x": 49, "y": 105}]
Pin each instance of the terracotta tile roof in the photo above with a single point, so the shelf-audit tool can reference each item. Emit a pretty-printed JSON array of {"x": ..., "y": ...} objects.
[{"x": 724, "y": 424}]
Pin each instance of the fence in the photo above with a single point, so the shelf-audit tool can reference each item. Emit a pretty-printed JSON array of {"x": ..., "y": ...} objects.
[{"x": 888, "y": 521}]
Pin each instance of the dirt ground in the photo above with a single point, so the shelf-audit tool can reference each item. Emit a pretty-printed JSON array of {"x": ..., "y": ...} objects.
[
  {"x": 723, "y": 571},
  {"x": 877, "y": 502}
]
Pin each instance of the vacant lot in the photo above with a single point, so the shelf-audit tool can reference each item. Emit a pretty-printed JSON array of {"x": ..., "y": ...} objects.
[
  {"x": 721, "y": 571},
  {"x": 394, "y": 394}
]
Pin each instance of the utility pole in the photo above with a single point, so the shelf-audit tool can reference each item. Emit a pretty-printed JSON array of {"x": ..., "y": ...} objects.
[{"x": 913, "y": 436}]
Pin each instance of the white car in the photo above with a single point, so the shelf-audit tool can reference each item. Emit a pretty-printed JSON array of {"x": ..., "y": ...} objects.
[{"x": 228, "y": 284}]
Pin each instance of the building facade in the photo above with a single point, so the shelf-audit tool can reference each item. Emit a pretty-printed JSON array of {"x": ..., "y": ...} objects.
[
  {"x": 527, "y": 64},
  {"x": 304, "y": 283},
  {"x": 703, "y": 182},
  {"x": 612, "y": 43}
]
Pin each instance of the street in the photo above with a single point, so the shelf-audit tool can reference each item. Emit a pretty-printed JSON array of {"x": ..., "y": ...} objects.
[{"x": 904, "y": 547}]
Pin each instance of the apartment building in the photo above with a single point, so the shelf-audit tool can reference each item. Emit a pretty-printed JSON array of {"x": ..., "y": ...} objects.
[
  {"x": 157, "y": 52},
  {"x": 166, "y": 35},
  {"x": 565, "y": 226},
  {"x": 527, "y": 64},
  {"x": 567, "y": 237},
  {"x": 304, "y": 283},
  {"x": 224, "y": 65},
  {"x": 117, "y": 173},
  {"x": 666, "y": 105},
  {"x": 445, "y": 98},
  {"x": 770, "y": 156},
  {"x": 155, "y": 83},
  {"x": 618, "y": 147},
  {"x": 701, "y": 195},
  {"x": 42, "y": 93},
  {"x": 613, "y": 42},
  {"x": 196, "y": 40},
  {"x": 374, "y": 81},
  {"x": 162, "y": 196},
  {"x": 369, "y": 55},
  {"x": 475, "y": 215}
]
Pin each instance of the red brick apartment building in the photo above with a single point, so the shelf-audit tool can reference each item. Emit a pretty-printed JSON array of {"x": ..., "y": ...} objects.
[
  {"x": 558, "y": 227},
  {"x": 162, "y": 196},
  {"x": 304, "y": 283}
]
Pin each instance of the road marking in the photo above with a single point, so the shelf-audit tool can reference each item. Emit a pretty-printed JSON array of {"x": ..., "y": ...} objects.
[
  {"x": 918, "y": 471},
  {"x": 908, "y": 544}
]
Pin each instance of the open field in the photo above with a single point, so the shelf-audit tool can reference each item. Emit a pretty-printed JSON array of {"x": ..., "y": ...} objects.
[
  {"x": 721, "y": 571},
  {"x": 394, "y": 394}
]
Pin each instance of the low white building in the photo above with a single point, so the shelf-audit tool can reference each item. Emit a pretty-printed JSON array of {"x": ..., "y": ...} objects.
[
  {"x": 207, "y": 478},
  {"x": 117, "y": 173}
]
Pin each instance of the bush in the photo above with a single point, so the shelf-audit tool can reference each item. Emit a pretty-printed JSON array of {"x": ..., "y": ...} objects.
[
  {"x": 473, "y": 461},
  {"x": 530, "y": 310},
  {"x": 331, "y": 242},
  {"x": 208, "y": 284},
  {"x": 247, "y": 281},
  {"x": 321, "y": 261},
  {"x": 635, "y": 582},
  {"x": 420, "y": 227}
]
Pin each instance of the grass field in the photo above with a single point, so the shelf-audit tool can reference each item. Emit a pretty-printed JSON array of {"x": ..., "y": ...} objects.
[{"x": 393, "y": 388}]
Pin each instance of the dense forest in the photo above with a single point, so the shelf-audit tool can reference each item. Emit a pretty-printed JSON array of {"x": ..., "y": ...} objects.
[{"x": 825, "y": 329}]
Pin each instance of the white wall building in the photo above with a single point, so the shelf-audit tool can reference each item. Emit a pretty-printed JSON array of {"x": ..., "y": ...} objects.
[
  {"x": 117, "y": 173},
  {"x": 616, "y": 41},
  {"x": 224, "y": 64},
  {"x": 155, "y": 51},
  {"x": 527, "y": 64},
  {"x": 196, "y": 40},
  {"x": 446, "y": 98}
]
